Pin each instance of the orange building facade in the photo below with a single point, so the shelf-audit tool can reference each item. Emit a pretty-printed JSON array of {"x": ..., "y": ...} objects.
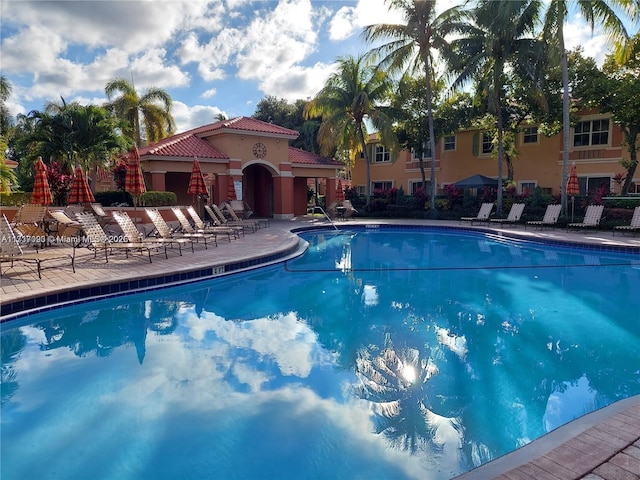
[
  {"x": 270, "y": 176},
  {"x": 596, "y": 146}
]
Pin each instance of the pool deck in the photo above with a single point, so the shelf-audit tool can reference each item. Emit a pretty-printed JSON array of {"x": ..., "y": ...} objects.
[{"x": 602, "y": 445}]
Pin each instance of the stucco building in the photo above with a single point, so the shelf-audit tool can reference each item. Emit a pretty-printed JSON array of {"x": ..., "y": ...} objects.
[
  {"x": 596, "y": 147},
  {"x": 271, "y": 176}
]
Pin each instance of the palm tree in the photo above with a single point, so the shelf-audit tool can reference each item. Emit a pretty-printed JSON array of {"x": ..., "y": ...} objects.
[
  {"x": 498, "y": 40},
  {"x": 5, "y": 92},
  {"x": 357, "y": 91},
  {"x": 411, "y": 47},
  {"x": 593, "y": 11},
  {"x": 148, "y": 116}
]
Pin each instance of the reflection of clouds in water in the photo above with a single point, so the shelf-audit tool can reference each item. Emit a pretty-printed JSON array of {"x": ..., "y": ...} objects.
[
  {"x": 370, "y": 295},
  {"x": 569, "y": 401},
  {"x": 289, "y": 342},
  {"x": 457, "y": 344}
]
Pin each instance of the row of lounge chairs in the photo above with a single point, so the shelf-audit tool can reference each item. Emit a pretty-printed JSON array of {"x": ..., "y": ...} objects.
[
  {"x": 592, "y": 218},
  {"x": 80, "y": 229}
]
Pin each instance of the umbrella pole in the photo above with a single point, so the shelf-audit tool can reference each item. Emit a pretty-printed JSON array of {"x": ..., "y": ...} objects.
[{"x": 573, "y": 200}]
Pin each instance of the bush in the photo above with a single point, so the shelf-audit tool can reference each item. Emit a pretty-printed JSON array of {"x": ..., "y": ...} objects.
[
  {"x": 15, "y": 199},
  {"x": 159, "y": 199}
]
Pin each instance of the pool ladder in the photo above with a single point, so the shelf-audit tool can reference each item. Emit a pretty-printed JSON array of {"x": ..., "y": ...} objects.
[{"x": 316, "y": 207}]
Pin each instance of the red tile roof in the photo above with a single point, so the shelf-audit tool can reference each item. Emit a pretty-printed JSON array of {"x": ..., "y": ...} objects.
[
  {"x": 244, "y": 124},
  {"x": 298, "y": 156},
  {"x": 183, "y": 145},
  {"x": 191, "y": 143}
]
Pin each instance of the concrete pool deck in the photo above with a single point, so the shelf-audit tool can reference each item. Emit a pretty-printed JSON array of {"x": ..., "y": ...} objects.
[{"x": 604, "y": 444}]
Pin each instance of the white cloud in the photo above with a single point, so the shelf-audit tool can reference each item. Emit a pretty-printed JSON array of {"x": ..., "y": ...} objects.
[{"x": 188, "y": 117}]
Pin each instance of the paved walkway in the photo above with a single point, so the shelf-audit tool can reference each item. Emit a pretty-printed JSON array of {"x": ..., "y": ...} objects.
[{"x": 602, "y": 445}]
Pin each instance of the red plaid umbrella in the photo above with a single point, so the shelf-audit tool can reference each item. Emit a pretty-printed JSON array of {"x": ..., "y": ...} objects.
[
  {"x": 573, "y": 188},
  {"x": 134, "y": 183},
  {"x": 80, "y": 191},
  {"x": 231, "y": 192},
  {"x": 196, "y": 182},
  {"x": 572, "y": 182},
  {"x": 339, "y": 192},
  {"x": 41, "y": 191}
]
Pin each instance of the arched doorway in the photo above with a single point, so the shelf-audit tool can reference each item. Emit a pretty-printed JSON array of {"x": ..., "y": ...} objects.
[{"x": 258, "y": 189}]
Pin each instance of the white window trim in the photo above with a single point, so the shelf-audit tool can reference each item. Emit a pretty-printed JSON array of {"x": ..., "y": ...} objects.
[
  {"x": 591, "y": 118},
  {"x": 455, "y": 143},
  {"x": 520, "y": 184}
]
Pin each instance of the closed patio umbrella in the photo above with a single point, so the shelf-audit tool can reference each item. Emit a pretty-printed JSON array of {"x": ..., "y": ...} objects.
[
  {"x": 196, "y": 182},
  {"x": 134, "y": 182},
  {"x": 80, "y": 191},
  {"x": 197, "y": 187},
  {"x": 573, "y": 188},
  {"x": 41, "y": 191}
]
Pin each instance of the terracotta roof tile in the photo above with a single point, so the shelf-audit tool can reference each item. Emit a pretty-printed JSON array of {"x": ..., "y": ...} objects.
[
  {"x": 183, "y": 145},
  {"x": 299, "y": 156},
  {"x": 245, "y": 124}
]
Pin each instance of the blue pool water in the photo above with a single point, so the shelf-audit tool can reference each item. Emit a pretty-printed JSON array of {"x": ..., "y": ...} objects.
[{"x": 377, "y": 354}]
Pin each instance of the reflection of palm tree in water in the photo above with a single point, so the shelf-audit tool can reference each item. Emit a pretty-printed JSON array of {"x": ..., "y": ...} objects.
[{"x": 394, "y": 382}]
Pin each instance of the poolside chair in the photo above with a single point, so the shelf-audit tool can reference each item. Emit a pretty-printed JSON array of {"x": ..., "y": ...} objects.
[
  {"x": 200, "y": 226},
  {"x": 633, "y": 227},
  {"x": 251, "y": 226},
  {"x": 103, "y": 217},
  {"x": 188, "y": 230},
  {"x": 95, "y": 238},
  {"x": 163, "y": 230},
  {"x": 66, "y": 228},
  {"x": 483, "y": 214},
  {"x": 349, "y": 210},
  {"x": 236, "y": 219},
  {"x": 591, "y": 219},
  {"x": 550, "y": 218},
  {"x": 514, "y": 215},
  {"x": 29, "y": 224},
  {"x": 132, "y": 234},
  {"x": 11, "y": 251}
]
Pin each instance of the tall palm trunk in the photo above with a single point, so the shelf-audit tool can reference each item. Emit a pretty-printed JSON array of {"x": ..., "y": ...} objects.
[
  {"x": 498, "y": 105},
  {"x": 363, "y": 143},
  {"x": 565, "y": 121},
  {"x": 432, "y": 142}
]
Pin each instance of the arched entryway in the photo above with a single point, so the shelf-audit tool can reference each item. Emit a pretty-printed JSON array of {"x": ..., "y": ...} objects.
[{"x": 257, "y": 185}]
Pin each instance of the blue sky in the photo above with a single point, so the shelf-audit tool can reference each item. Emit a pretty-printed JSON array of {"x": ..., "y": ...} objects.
[{"x": 211, "y": 56}]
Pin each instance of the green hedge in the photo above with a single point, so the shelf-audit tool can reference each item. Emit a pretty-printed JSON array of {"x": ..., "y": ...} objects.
[{"x": 15, "y": 198}]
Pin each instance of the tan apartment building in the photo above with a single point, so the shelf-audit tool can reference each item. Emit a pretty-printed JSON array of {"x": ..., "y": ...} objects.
[{"x": 596, "y": 147}]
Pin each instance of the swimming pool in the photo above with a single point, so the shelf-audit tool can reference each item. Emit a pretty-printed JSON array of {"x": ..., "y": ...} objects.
[{"x": 394, "y": 354}]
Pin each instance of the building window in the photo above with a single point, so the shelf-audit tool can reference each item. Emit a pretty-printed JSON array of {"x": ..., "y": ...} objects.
[
  {"x": 382, "y": 185},
  {"x": 426, "y": 152},
  {"x": 414, "y": 186},
  {"x": 449, "y": 143},
  {"x": 530, "y": 135},
  {"x": 527, "y": 188},
  {"x": 381, "y": 155},
  {"x": 487, "y": 143},
  {"x": 591, "y": 132}
]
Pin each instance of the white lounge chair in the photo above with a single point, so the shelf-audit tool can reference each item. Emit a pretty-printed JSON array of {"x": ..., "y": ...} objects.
[
  {"x": 483, "y": 214},
  {"x": 592, "y": 218},
  {"x": 201, "y": 227},
  {"x": 514, "y": 215},
  {"x": 550, "y": 218},
  {"x": 163, "y": 231},
  {"x": 95, "y": 238},
  {"x": 188, "y": 230}
]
